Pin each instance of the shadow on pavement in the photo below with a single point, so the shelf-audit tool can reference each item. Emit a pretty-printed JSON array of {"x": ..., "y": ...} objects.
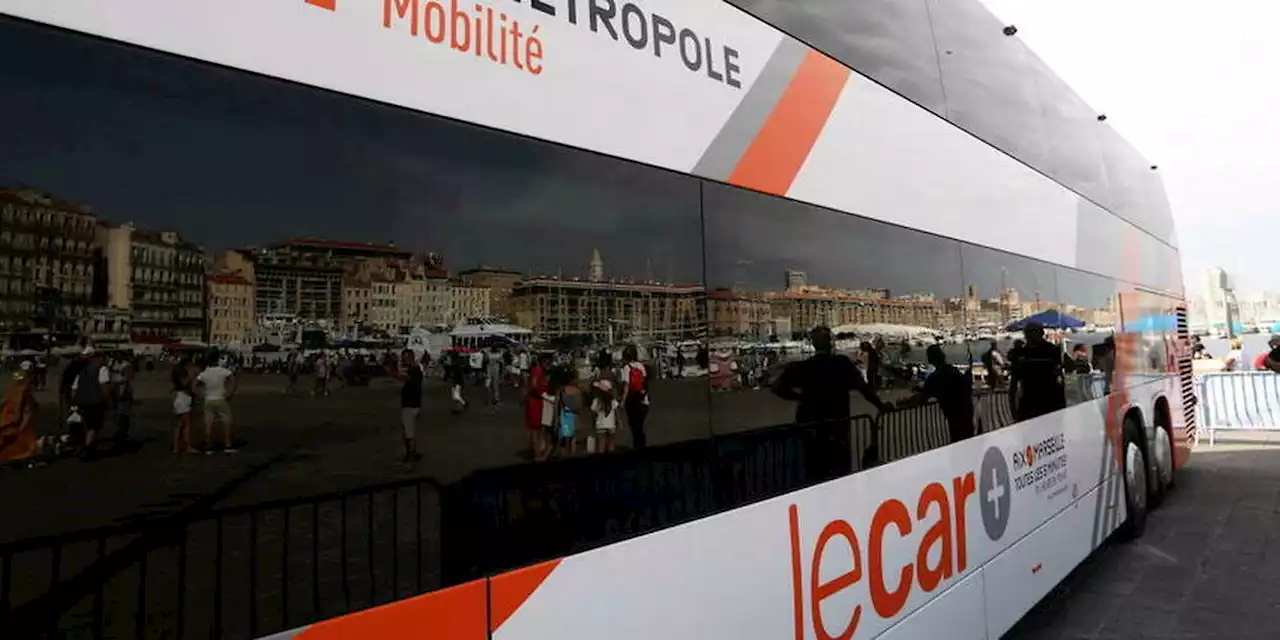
[{"x": 1208, "y": 566}]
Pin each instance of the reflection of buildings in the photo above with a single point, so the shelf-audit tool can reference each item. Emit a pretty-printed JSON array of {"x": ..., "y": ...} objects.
[
  {"x": 734, "y": 312},
  {"x": 468, "y": 302},
  {"x": 394, "y": 296},
  {"x": 107, "y": 326},
  {"x": 303, "y": 277},
  {"x": 499, "y": 282},
  {"x": 47, "y": 262},
  {"x": 802, "y": 306},
  {"x": 1006, "y": 307},
  {"x": 230, "y": 308},
  {"x": 159, "y": 278},
  {"x": 604, "y": 309}
]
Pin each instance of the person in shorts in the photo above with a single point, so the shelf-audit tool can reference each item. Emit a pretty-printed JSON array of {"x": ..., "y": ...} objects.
[
  {"x": 183, "y": 379},
  {"x": 410, "y": 373},
  {"x": 90, "y": 394},
  {"x": 604, "y": 410},
  {"x": 217, "y": 385}
]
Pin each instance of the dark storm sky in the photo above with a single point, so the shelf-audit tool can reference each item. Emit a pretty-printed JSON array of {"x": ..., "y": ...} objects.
[{"x": 230, "y": 160}]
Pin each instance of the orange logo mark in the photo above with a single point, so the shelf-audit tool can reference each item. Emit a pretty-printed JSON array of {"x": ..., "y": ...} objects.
[
  {"x": 331, "y": 5},
  {"x": 889, "y": 588},
  {"x": 1031, "y": 456}
]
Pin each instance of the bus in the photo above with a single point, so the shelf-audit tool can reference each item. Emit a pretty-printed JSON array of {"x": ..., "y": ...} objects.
[{"x": 599, "y": 172}]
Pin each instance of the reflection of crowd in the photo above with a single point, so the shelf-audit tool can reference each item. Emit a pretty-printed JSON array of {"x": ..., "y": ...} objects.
[
  {"x": 96, "y": 394},
  {"x": 1036, "y": 375}
]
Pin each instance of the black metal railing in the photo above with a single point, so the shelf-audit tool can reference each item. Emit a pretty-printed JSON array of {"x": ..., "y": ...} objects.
[
  {"x": 239, "y": 572},
  {"x": 245, "y": 572}
]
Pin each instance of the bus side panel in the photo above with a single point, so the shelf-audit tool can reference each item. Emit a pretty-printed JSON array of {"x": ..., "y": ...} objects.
[
  {"x": 882, "y": 543},
  {"x": 950, "y": 615},
  {"x": 1019, "y": 577}
]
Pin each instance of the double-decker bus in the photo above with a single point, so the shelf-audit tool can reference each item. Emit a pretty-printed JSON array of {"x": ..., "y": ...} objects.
[{"x": 613, "y": 177}]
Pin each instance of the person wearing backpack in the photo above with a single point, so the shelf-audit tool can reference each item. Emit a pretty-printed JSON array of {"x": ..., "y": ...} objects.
[
  {"x": 90, "y": 393},
  {"x": 635, "y": 395}
]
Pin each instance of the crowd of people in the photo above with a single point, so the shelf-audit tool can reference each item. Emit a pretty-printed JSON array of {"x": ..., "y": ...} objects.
[{"x": 565, "y": 408}]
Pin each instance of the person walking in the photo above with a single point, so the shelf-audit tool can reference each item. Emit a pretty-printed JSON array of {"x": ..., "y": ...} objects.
[
  {"x": 90, "y": 395},
  {"x": 635, "y": 395},
  {"x": 411, "y": 375},
  {"x": 493, "y": 375}
]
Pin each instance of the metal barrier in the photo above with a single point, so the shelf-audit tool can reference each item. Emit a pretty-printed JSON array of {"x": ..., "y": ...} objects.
[
  {"x": 505, "y": 518},
  {"x": 245, "y": 572},
  {"x": 1237, "y": 400},
  {"x": 232, "y": 573}
]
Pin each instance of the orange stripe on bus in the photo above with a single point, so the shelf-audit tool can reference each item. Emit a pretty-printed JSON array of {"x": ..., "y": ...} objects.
[
  {"x": 331, "y": 5},
  {"x": 456, "y": 613},
  {"x": 507, "y": 592},
  {"x": 775, "y": 156}
]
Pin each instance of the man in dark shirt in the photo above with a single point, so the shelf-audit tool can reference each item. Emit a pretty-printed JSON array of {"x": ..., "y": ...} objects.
[
  {"x": 821, "y": 384},
  {"x": 1037, "y": 380},
  {"x": 410, "y": 373},
  {"x": 952, "y": 388}
]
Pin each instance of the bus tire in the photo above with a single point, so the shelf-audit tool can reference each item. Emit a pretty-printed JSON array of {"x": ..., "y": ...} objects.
[
  {"x": 1135, "y": 476},
  {"x": 1162, "y": 478}
]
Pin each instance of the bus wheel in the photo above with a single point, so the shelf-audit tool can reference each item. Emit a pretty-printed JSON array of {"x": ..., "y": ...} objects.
[
  {"x": 1135, "y": 483},
  {"x": 1163, "y": 451}
]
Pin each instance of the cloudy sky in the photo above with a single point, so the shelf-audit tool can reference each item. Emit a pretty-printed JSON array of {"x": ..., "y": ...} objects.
[{"x": 1193, "y": 89}]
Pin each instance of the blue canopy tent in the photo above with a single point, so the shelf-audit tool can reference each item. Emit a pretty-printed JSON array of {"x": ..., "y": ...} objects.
[{"x": 1049, "y": 319}]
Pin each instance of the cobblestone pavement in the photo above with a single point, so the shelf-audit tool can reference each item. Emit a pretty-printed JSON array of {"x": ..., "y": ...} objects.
[{"x": 1208, "y": 566}]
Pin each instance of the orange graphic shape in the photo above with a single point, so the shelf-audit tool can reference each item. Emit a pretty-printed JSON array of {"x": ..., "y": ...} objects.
[
  {"x": 508, "y": 591},
  {"x": 775, "y": 156},
  {"x": 456, "y": 613},
  {"x": 331, "y": 5}
]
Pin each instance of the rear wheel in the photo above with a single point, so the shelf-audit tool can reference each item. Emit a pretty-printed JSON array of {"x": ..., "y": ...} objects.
[
  {"x": 1135, "y": 483},
  {"x": 1162, "y": 449}
]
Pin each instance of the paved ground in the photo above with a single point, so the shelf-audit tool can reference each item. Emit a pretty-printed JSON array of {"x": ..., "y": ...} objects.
[
  {"x": 321, "y": 444},
  {"x": 1208, "y": 566}
]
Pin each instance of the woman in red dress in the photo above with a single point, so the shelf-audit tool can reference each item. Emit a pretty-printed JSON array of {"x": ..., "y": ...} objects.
[{"x": 535, "y": 386}]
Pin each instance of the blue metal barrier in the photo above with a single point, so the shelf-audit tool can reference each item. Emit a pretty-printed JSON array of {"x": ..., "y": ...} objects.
[{"x": 1238, "y": 400}]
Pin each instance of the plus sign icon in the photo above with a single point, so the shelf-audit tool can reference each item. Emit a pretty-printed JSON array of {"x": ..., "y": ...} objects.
[{"x": 995, "y": 493}]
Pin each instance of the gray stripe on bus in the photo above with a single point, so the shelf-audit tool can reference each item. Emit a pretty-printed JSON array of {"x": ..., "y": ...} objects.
[
  {"x": 1099, "y": 507},
  {"x": 284, "y": 635},
  {"x": 724, "y": 152}
]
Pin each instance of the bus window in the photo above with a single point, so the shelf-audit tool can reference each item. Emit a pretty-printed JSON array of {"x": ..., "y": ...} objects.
[
  {"x": 1011, "y": 310},
  {"x": 779, "y": 269}
]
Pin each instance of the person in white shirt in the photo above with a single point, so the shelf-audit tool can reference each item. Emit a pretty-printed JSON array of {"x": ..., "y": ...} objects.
[
  {"x": 216, "y": 385},
  {"x": 1234, "y": 359}
]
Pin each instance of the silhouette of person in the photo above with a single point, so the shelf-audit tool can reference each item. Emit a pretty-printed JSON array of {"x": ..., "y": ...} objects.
[
  {"x": 1037, "y": 380},
  {"x": 821, "y": 384},
  {"x": 952, "y": 388}
]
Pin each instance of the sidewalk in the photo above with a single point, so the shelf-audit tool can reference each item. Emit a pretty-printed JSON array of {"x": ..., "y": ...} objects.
[{"x": 1208, "y": 566}]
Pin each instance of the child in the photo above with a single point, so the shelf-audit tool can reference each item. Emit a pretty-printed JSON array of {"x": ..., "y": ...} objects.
[{"x": 604, "y": 406}]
